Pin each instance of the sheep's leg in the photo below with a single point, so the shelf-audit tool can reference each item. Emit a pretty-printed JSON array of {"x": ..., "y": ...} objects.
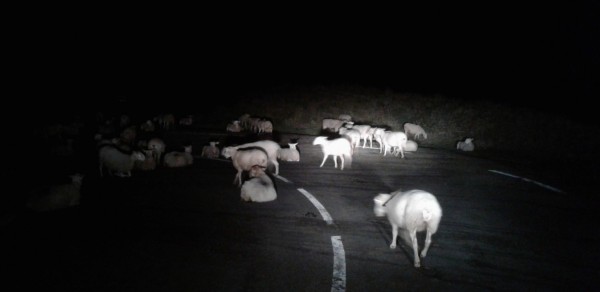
[
  {"x": 325, "y": 158},
  {"x": 335, "y": 161},
  {"x": 427, "y": 243},
  {"x": 401, "y": 151},
  {"x": 342, "y": 160},
  {"x": 394, "y": 235},
  {"x": 276, "y": 166},
  {"x": 238, "y": 178},
  {"x": 415, "y": 245}
]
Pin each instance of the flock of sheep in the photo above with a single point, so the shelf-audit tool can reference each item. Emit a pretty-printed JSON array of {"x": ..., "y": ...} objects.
[{"x": 411, "y": 211}]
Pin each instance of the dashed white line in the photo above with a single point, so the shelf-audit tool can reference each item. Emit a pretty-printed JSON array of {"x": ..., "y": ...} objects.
[
  {"x": 318, "y": 205},
  {"x": 339, "y": 265},
  {"x": 527, "y": 180},
  {"x": 283, "y": 178}
]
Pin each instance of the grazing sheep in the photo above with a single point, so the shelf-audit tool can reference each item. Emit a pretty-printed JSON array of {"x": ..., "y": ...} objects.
[
  {"x": 259, "y": 188},
  {"x": 270, "y": 147},
  {"x": 412, "y": 211},
  {"x": 289, "y": 154},
  {"x": 415, "y": 130},
  {"x": 339, "y": 147},
  {"x": 158, "y": 147},
  {"x": 411, "y": 146},
  {"x": 116, "y": 162},
  {"x": 211, "y": 151},
  {"x": 394, "y": 139},
  {"x": 57, "y": 196},
  {"x": 179, "y": 159},
  {"x": 467, "y": 145},
  {"x": 264, "y": 126},
  {"x": 234, "y": 127},
  {"x": 244, "y": 158}
]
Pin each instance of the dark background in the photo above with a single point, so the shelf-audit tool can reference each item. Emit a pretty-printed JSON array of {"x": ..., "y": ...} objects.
[{"x": 543, "y": 57}]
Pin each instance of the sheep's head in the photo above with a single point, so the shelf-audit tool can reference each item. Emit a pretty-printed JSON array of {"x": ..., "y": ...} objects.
[
  {"x": 292, "y": 145},
  {"x": 469, "y": 140},
  {"x": 319, "y": 140},
  {"x": 228, "y": 151},
  {"x": 379, "y": 200}
]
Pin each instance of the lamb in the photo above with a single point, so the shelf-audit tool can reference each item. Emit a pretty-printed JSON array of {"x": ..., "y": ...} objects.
[
  {"x": 270, "y": 147},
  {"x": 57, "y": 196},
  {"x": 259, "y": 188},
  {"x": 289, "y": 154},
  {"x": 211, "y": 151},
  {"x": 157, "y": 146},
  {"x": 339, "y": 147},
  {"x": 244, "y": 158},
  {"x": 467, "y": 145},
  {"x": 394, "y": 139},
  {"x": 415, "y": 130},
  {"x": 412, "y": 211},
  {"x": 117, "y": 162},
  {"x": 179, "y": 159}
]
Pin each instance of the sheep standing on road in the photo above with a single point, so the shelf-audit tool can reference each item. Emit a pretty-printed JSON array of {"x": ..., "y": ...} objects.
[
  {"x": 158, "y": 147},
  {"x": 270, "y": 147},
  {"x": 415, "y": 130},
  {"x": 244, "y": 159},
  {"x": 117, "y": 162},
  {"x": 234, "y": 127},
  {"x": 259, "y": 188},
  {"x": 339, "y": 147},
  {"x": 211, "y": 151},
  {"x": 394, "y": 139},
  {"x": 412, "y": 211},
  {"x": 467, "y": 145},
  {"x": 289, "y": 154}
]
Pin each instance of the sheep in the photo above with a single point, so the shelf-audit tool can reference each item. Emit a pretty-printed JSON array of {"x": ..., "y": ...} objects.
[
  {"x": 364, "y": 132},
  {"x": 352, "y": 134},
  {"x": 394, "y": 139},
  {"x": 244, "y": 158},
  {"x": 187, "y": 120},
  {"x": 270, "y": 147},
  {"x": 345, "y": 117},
  {"x": 411, "y": 146},
  {"x": 259, "y": 188},
  {"x": 378, "y": 135},
  {"x": 179, "y": 159},
  {"x": 147, "y": 164},
  {"x": 166, "y": 121},
  {"x": 148, "y": 126},
  {"x": 415, "y": 130},
  {"x": 117, "y": 162},
  {"x": 289, "y": 154},
  {"x": 57, "y": 196},
  {"x": 339, "y": 147},
  {"x": 264, "y": 126},
  {"x": 412, "y": 211},
  {"x": 211, "y": 151},
  {"x": 234, "y": 127},
  {"x": 333, "y": 124},
  {"x": 157, "y": 146},
  {"x": 467, "y": 145}
]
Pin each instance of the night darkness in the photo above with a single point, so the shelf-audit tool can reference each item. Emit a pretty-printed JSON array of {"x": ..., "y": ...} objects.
[{"x": 522, "y": 56}]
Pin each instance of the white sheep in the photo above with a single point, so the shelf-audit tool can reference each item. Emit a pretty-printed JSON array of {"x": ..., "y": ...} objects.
[
  {"x": 57, "y": 196},
  {"x": 411, "y": 146},
  {"x": 333, "y": 124},
  {"x": 289, "y": 154},
  {"x": 259, "y": 188},
  {"x": 187, "y": 120},
  {"x": 412, "y": 211},
  {"x": 147, "y": 164},
  {"x": 117, "y": 162},
  {"x": 415, "y": 130},
  {"x": 339, "y": 147},
  {"x": 378, "y": 136},
  {"x": 272, "y": 148},
  {"x": 179, "y": 159},
  {"x": 345, "y": 117},
  {"x": 364, "y": 132},
  {"x": 467, "y": 145},
  {"x": 234, "y": 127},
  {"x": 394, "y": 139},
  {"x": 211, "y": 151},
  {"x": 264, "y": 126},
  {"x": 158, "y": 147},
  {"x": 244, "y": 158},
  {"x": 352, "y": 134}
]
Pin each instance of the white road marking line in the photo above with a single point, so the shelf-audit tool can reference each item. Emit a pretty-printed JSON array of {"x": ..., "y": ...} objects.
[
  {"x": 283, "y": 179},
  {"x": 528, "y": 180},
  {"x": 318, "y": 205},
  {"x": 339, "y": 265}
]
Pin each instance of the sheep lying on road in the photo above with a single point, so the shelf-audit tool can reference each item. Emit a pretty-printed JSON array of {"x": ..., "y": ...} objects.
[
  {"x": 339, "y": 147},
  {"x": 259, "y": 188},
  {"x": 289, "y": 154},
  {"x": 179, "y": 159},
  {"x": 467, "y": 145},
  {"x": 57, "y": 196},
  {"x": 412, "y": 211}
]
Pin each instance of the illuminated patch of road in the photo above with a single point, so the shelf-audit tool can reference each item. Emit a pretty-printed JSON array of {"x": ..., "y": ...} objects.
[{"x": 528, "y": 180}]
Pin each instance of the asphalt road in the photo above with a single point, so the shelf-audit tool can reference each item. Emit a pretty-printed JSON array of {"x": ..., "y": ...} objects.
[{"x": 186, "y": 229}]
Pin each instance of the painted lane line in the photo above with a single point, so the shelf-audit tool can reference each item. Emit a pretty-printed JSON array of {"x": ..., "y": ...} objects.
[
  {"x": 528, "y": 180},
  {"x": 318, "y": 205},
  {"x": 339, "y": 265},
  {"x": 283, "y": 179}
]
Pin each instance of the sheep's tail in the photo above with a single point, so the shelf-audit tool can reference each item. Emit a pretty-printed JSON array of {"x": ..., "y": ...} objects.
[{"x": 427, "y": 215}]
